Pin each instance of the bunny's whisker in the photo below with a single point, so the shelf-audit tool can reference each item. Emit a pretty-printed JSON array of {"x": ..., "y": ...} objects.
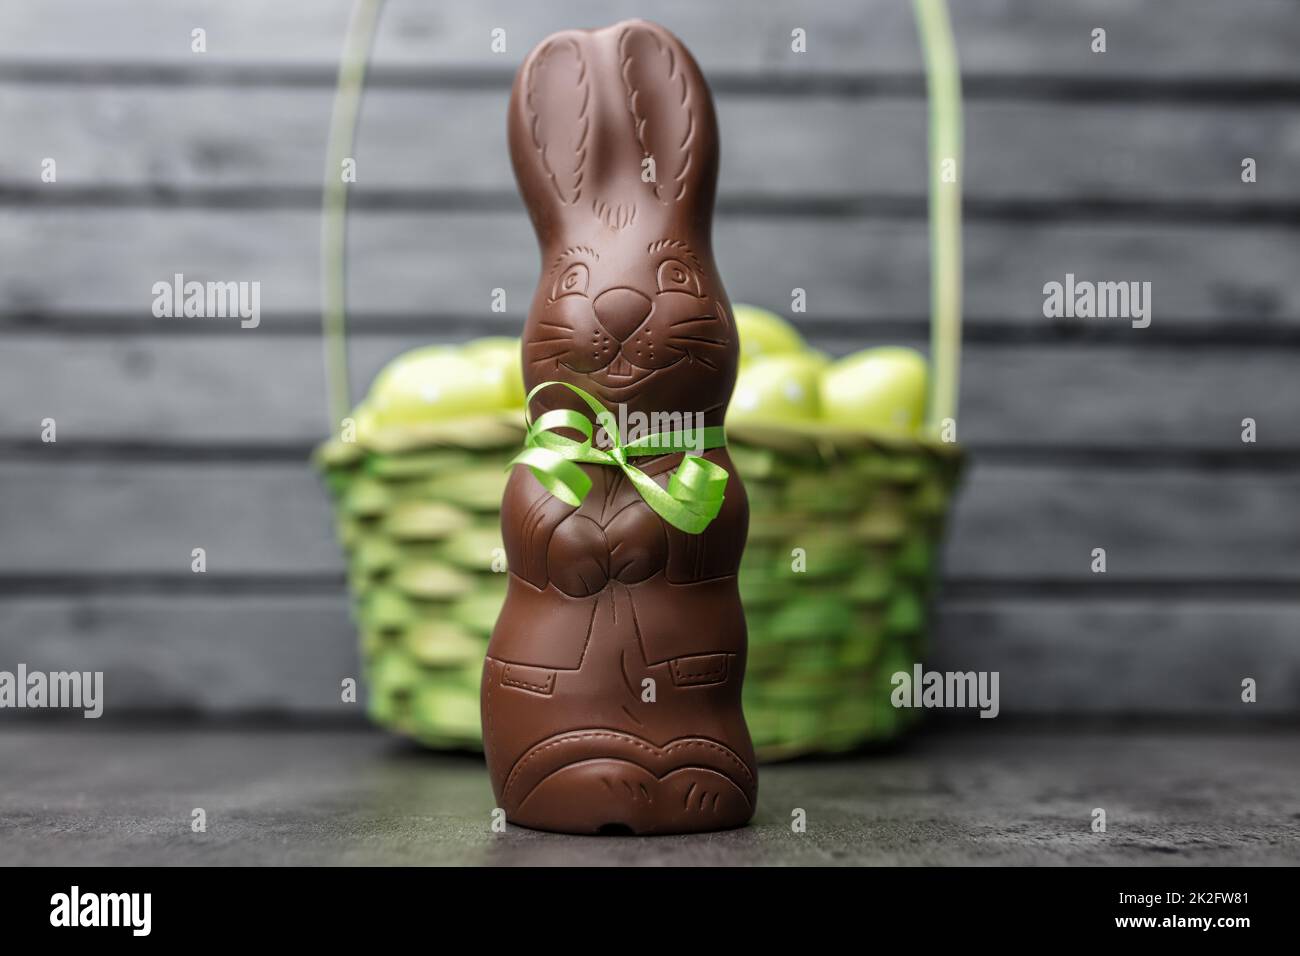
[
  {"x": 548, "y": 356},
  {"x": 699, "y": 339}
]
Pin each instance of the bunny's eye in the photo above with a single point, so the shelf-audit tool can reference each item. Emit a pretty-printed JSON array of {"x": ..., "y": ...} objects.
[
  {"x": 573, "y": 281},
  {"x": 675, "y": 276}
]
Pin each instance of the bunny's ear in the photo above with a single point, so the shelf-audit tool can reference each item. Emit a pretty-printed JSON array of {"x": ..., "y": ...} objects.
[
  {"x": 550, "y": 123},
  {"x": 671, "y": 109}
]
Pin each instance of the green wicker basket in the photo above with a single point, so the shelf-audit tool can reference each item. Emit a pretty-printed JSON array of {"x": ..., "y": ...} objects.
[
  {"x": 844, "y": 533},
  {"x": 844, "y": 528}
]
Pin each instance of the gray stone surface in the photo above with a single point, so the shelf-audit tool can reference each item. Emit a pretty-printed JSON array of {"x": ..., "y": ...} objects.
[{"x": 80, "y": 795}]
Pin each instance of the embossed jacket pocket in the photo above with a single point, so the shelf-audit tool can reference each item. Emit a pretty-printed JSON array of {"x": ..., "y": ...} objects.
[
  {"x": 700, "y": 669},
  {"x": 537, "y": 680}
]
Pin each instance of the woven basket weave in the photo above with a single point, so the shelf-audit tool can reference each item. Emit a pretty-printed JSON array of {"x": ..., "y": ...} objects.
[{"x": 843, "y": 539}]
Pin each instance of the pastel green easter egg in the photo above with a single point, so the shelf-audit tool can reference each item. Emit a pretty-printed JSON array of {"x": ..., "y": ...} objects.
[
  {"x": 778, "y": 388},
  {"x": 435, "y": 383},
  {"x": 500, "y": 357},
  {"x": 880, "y": 390},
  {"x": 763, "y": 333}
]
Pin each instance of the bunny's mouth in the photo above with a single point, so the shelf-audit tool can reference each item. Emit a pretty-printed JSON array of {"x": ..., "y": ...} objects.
[
  {"x": 619, "y": 379},
  {"x": 621, "y": 372}
]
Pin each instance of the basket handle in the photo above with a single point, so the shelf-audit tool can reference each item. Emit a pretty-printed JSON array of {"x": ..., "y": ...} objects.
[
  {"x": 943, "y": 87},
  {"x": 333, "y": 242}
]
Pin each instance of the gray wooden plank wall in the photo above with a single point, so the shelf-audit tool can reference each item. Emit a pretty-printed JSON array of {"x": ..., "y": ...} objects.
[{"x": 1084, "y": 433}]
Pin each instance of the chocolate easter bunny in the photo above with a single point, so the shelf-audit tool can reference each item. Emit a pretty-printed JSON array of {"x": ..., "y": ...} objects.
[{"x": 611, "y": 690}]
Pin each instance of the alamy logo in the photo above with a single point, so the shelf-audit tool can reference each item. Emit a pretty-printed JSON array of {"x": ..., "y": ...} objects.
[
  {"x": 680, "y": 430},
  {"x": 208, "y": 300},
  {"x": 955, "y": 689},
  {"x": 1084, "y": 299},
  {"x": 76, "y": 690},
  {"x": 75, "y": 908}
]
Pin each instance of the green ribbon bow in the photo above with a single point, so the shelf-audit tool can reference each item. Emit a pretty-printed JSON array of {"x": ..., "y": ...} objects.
[{"x": 695, "y": 492}]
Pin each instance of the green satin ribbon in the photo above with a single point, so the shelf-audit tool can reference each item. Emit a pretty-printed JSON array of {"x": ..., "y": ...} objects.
[{"x": 695, "y": 492}]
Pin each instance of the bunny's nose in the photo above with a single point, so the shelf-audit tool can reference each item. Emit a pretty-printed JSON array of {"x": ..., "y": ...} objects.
[{"x": 621, "y": 311}]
